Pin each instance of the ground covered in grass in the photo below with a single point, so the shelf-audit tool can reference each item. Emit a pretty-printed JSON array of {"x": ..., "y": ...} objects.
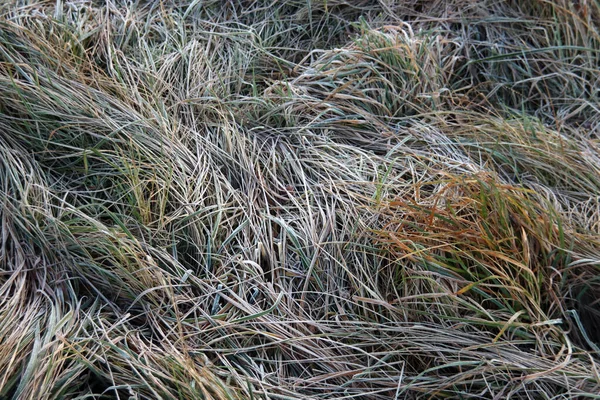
[{"x": 305, "y": 199}]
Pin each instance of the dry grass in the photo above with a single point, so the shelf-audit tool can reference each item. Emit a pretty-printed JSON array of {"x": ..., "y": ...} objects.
[{"x": 300, "y": 199}]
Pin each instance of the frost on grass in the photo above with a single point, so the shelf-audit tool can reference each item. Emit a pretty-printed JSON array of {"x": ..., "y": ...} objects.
[{"x": 299, "y": 199}]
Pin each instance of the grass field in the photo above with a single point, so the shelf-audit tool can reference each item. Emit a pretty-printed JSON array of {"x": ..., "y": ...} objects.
[{"x": 305, "y": 199}]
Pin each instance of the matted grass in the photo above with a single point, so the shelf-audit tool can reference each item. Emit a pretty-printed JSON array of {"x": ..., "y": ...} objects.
[{"x": 299, "y": 199}]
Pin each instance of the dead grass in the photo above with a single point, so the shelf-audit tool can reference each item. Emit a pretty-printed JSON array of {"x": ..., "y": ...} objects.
[{"x": 300, "y": 199}]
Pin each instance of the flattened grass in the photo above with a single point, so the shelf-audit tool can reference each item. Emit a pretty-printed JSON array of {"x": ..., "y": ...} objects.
[{"x": 291, "y": 200}]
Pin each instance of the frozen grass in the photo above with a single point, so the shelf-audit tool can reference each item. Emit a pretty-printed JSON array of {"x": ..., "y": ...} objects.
[{"x": 303, "y": 199}]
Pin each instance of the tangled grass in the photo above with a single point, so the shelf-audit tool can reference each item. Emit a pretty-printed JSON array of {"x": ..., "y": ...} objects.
[{"x": 305, "y": 199}]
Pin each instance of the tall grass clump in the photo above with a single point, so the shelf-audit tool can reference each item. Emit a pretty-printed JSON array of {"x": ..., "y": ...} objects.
[{"x": 299, "y": 199}]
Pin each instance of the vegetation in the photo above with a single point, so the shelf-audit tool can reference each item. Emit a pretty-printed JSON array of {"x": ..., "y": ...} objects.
[{"x": 305, "y": 199}]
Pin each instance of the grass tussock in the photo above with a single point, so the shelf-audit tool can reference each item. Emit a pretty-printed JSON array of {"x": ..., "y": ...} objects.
[{"x": 299, "y": 199}]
